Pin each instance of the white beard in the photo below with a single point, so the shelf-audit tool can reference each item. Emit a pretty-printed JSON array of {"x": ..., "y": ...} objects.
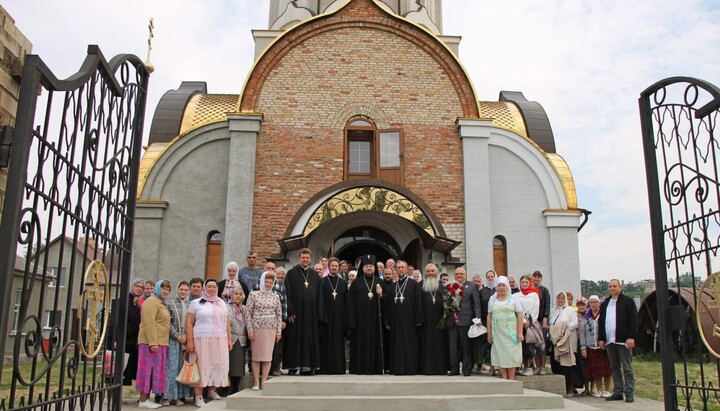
[{"x": 431, "y": 284}]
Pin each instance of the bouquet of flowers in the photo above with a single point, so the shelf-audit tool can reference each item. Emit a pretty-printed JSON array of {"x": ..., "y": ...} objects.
[{"x": 451, "y": 300}]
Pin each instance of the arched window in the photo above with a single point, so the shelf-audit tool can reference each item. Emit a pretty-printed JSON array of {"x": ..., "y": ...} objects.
[
  {"x": 372, "y": 153},
  {"x": 500, "y": 255},
  {"x": 213, "y": 256}
]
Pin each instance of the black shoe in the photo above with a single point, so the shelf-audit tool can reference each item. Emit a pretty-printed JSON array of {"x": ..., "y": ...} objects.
[
  {"x": 629, "y": 398},
  {"x": 614, "y": 397},
  {"x": 307, "y": 373},
  {"x": 292, "y": 372},
  {"x": 466, "y": 373}
]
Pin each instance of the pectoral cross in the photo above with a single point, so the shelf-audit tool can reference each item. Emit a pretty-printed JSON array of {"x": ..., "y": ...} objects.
[
  {"x": 433, "y": 300},
  {"x": 334, "y": 294},
  {"x": 402, "y": 298},
  {"x": 306, "y": 284}
]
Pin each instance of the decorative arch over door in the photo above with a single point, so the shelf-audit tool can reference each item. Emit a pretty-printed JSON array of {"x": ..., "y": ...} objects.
[{"x": 363, "y": 196}]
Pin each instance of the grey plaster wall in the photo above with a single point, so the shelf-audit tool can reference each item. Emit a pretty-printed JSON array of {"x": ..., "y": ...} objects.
[{"x": 517, "y": 202}]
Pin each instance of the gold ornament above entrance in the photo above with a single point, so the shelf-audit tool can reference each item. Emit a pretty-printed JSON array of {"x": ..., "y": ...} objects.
[
  {"x": 94, "y": 300},
  {"x": 369, "y": 198}
]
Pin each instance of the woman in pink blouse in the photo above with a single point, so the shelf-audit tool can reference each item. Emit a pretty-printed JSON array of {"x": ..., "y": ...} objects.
[{"x": 263, "y": 327}]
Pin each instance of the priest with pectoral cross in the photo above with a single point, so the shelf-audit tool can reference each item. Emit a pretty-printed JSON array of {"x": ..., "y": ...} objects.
[
  {"x": 433, "y": 335},
  {"x": 306, "y": 309},
  {"x": 404, "y": 316},
  {"x": 364, "y": 322},
  {"x": 332, "y": 333}
]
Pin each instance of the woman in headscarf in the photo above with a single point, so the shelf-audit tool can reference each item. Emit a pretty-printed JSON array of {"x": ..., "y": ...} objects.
[
  {"x": 483, "y": 351},
  {"x": 132, "y": 330},
  {"x": 207, "y": 331},
  {"x": 563, "y": 323},
  {"x": 264, "y": 327},
  {"x": 230, "y": 281},
  {"x": 153, "y": 341},
  {"x": 238, "y": 321},
  {"x": 597, "y": 364},
  {"x": 505, "y": 329},
  {"x": 529, "y": 298},
  {"x": 178, "y": 307}
]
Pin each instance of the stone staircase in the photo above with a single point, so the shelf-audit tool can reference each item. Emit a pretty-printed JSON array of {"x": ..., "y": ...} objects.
[{"x": 397, "y": 393}]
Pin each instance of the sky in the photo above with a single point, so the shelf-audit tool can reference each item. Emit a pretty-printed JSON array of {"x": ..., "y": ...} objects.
[{"x": 584, "y": 61}]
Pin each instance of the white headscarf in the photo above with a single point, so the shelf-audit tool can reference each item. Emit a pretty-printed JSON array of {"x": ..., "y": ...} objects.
[
  {"x": 262, "y": 283},
  {"x": 231, "y": 264},
  {"x": 492, "y": 285}
]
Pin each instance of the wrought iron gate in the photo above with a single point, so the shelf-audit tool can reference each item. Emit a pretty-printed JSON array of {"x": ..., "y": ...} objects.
[
  {"x": 679, "y": 118},
  {"x": 69, "y": 211}
]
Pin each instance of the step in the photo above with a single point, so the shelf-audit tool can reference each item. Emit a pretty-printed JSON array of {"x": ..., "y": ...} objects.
[
  {"x": 388, "y": 385},
  {"x": 528, "y": 400}
]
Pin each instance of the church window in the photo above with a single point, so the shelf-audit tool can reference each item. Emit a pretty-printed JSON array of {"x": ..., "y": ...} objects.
[
  {"x": 500, "y": 255},
  {"x": 373, "y": 153}
]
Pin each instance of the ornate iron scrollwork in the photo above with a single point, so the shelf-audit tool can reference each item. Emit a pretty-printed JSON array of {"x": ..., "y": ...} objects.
[{"x": 369, "y": 199}]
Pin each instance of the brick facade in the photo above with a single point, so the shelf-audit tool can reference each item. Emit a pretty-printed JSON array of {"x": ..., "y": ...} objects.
[
  {"x": 14, "y": 48},
  {"x": 315, "y": 79}
]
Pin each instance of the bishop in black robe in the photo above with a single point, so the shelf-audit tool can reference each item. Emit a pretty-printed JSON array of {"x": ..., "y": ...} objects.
[
  {"x": 364, "y": 322},
  {"x": 404, "y": 316},
  {"x": 433, "y": 340},
  {"x": 306, "y": 308},
  {"x": 332, "y": 333}
]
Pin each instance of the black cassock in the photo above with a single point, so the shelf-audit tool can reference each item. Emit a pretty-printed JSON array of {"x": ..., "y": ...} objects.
[
  {"x": 332, "y": 333},
  {"x": 433, "y": 341},
  {"x": 387, "y": 341},
  {"x": 363, "y": 310},
  {"x": 301, "y": 350},
  {"x": 404, "y": 315}
]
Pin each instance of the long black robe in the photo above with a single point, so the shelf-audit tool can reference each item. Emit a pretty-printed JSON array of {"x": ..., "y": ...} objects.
[
  {"x": 387, "y": 339},
  {"x": 363, "y": 319},
  {"x": 332, "y": 333},
  {"x": 404, "y": 316},
  {"x": 301, "y": 350},
  {"x": 433, "y": 340}
]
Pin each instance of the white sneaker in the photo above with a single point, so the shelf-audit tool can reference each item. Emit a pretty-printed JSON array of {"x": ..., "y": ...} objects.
[
  {"x": 597, "y": 394},
  {"x": 606, "y": 394},
  {"x": 528, "y": 372},
  {"x": 199, "y": 402},
  {"x": 542, "y": 371},
  {"x": 213, "y": 395},
  {"x": 149, "y": 404}
]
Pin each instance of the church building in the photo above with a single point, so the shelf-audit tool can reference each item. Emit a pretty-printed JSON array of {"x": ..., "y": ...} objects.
[{"x": 357, "y": 131}]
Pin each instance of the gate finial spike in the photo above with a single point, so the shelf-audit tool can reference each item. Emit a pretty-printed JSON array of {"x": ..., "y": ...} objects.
[{"x": 148, "y": 65}]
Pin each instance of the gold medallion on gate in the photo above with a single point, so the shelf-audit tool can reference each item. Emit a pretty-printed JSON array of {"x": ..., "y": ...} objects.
[
  {"x": 707, "y": 310},
  {"x": 93, "y": 302}
]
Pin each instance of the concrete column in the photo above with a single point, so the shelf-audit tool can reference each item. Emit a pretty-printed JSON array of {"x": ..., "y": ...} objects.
[
  {"x": 146, "y": 238},
  {"x": 475, "y": 135},
  {"x": 564, "y": 255},
  {"x": 237, "y": 238}
]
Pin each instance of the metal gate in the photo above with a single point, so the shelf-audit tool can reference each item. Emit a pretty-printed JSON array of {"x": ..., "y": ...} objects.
[
  {"x": 679, "y": 118},
  {"x": 68, "y": 213}
]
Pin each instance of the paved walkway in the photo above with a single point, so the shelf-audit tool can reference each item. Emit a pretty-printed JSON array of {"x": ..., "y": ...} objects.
[{"x": 577, "y": 403}]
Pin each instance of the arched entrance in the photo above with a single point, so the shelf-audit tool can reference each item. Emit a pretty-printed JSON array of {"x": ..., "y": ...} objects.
[
  {"x": 368, "y": 217},
  {"x": 366, "y": 240}
]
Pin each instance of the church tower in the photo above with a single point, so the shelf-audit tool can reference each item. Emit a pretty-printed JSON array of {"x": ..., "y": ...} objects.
[{"x": 284, "y": 14}]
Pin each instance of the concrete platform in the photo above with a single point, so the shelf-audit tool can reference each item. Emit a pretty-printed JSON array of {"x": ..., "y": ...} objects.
[{"x": 360, "y": 393}]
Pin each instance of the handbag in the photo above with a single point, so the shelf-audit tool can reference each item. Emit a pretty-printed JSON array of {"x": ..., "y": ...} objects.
[
  {"x": 534, "y": 335},
  {"x": 189, "y": 374}
]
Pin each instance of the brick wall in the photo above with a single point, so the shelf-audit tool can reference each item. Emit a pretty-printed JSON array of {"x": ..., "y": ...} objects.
[
  {"x": 12, "y": 54},
  {"x": 312, "y": 89}
]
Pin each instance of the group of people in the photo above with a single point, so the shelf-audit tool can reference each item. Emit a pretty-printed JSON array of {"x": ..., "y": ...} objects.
[{"x": 387, "y": 319}]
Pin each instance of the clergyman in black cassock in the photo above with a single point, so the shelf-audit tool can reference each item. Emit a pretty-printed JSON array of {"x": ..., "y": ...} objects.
[
  {"x": 404, "y": 316},
  {"x": 364, "y": 326},
  {"x": 389, "y": 278},
  {"x": 301, "y": 351},
  {"x": 332, "y": 333},
  {"x": 433, "y": 339}
]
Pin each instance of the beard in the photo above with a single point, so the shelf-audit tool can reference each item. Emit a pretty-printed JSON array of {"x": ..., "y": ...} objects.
[{"x": 430, "y": 284}]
